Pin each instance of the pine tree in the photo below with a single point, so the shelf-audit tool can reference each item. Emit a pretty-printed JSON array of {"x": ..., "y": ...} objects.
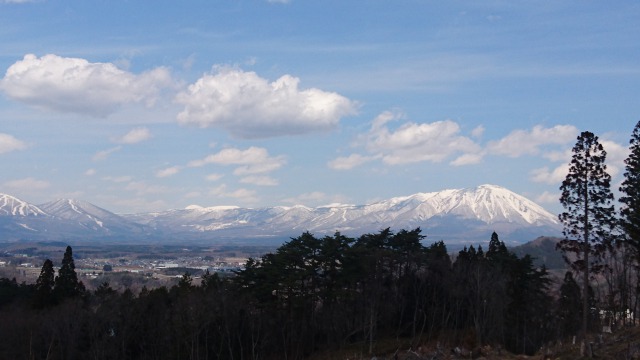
[
  {"x": 589, "y": 217},
  {"x": 44, "y": 285},
  {"x": 66, "y": 283}
]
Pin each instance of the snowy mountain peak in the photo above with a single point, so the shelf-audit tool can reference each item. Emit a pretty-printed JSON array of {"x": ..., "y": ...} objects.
[
  {"x": 81, "y": 212},
  {"x": 10, "y": 205},
  {"x": 452, "y": 215},
  {"x": 487, "y": 203}
]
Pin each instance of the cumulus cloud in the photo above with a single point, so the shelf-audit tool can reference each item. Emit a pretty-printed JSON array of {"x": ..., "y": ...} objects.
[
  {"x": 548, "y": 198},
  {"x": 9, "y": 143},
  {"x": 616, "y": 155},
  {"x": 523, "y": 142},
  {"x": 75, "y": 85},
  {"x": 478, "y": 131},
  {"x": 135, "y": 136},
  {"x": 411, "y": 143},
  {"x": 253, "y": 160},
  {"x": 27, "y": 184},
  {"x": 248, "y": 106},
  {"x": 553, "y": 176}
]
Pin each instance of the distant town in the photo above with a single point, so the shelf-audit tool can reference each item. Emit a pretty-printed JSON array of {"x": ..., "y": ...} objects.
[{"x": 126, "y": 266}]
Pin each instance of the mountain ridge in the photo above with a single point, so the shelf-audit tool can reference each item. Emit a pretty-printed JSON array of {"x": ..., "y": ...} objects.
[{"x": 452, "y": 215}]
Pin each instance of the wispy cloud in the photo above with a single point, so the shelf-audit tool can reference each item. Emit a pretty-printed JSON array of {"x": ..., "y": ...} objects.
[
  {"x": 260, "y": 180},
  {"x": 27, "y": 184},
  {"x": 170, "y": 171},
  {"x": 242, "y": 194},
  {"x": 8, "y": 143},
  {"x": 135, "y": 136},
  {"x": 104, "y": 154}
]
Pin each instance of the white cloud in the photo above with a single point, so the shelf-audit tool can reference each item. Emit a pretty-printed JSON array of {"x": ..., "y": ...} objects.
[
  {"x": 90, "y": 172},
  {"x": 243, "y": 195},
  {"x": 104, "y": 154},
  {"x": 477, "y": 132},
  {"x": 260, "y": 180},
  {"x": 249, "y": 106},
  {"x": 616, "y": 155},
  {"x": 9, "y": 143},
  {"x": 523, "y": 142},
  {"x": 214, "y": 177},
  {"x": 315, "y": 198},
  {"x": 548, "y": 198},
  {"x": 75, "y": 85},
  {"x": 553, "y": 177},
  {"x": 142, "y": 188},
  {"x": 253, "y": 160},
  {"x": 468, "y": 159},
  {"x": 135, "y": 136},
  {"x": 118, "y": 179},
  {"x": 168, "y": 171},
  {"x": 413, "y": 142},
  {"x": 27, "y": 184},
  {"x": 349, "y": 162}
]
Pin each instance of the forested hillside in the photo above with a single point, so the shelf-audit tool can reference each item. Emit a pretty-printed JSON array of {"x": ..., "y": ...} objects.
[{"x": 310, "y": 295}]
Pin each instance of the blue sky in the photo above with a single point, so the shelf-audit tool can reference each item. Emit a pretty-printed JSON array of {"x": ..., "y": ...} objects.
[{"x": 151, "y": 105}]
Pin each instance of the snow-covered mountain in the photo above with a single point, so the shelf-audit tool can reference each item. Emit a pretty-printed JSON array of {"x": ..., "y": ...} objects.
[
  {"x": 453, "y": 215},
  {"x": 11, "y": 206},
  {"x": 457, "y": 215},
  {"x": 90, "y": 217}
]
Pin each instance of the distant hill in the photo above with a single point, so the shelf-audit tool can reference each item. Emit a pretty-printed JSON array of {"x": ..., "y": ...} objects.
[{"x": 543, "y": 249}]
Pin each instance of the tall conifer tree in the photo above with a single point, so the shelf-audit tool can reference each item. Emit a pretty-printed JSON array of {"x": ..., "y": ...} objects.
[
  {"x": 630, "y": 212},
  {"x": 66, "y": 283},
  {"x": 44, "y": 285},
  {"x": 589, "y": 214}
]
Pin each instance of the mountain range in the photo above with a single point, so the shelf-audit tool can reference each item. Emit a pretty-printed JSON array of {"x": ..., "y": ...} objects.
[{"x": 454, "y": 215}]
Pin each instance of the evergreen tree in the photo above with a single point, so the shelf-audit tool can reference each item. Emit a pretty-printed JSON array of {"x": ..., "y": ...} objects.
[
  {"x": 589, "y": 217},
  {"x": 569, "y": 305},
  {"x": 44, "y": 285},
  {"x": 66, "y": 283},
  {"x": 630, "y": 212}
]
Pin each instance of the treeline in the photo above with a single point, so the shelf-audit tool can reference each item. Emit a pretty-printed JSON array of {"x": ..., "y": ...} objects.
[{"x": 312, "y": 294}]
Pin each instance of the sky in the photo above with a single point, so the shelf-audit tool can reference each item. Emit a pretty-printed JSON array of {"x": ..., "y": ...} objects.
[{"x": 139, "y": 106}]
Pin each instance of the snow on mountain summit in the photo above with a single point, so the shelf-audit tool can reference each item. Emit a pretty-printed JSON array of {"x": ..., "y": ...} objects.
[
  {"x": 491, "y": 204},
  {"x": 10, "y": 205},
  {"x": 452, "y": 215},
  {"x": 81, "y": 212}
]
